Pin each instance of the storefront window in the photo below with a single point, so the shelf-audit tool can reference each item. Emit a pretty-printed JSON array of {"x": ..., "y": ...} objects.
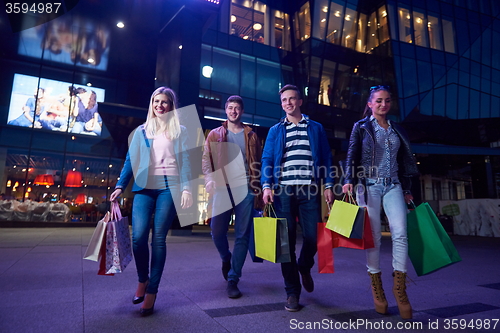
[
  {"x": 434, "y": 33},
  {"x": 405, "y": 25},
  {"x": 56, "y": 187},
  {"x": 420, "y": 26}
]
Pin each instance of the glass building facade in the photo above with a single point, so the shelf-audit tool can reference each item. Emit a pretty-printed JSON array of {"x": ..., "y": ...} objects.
[{"x": 441, "y": 59}]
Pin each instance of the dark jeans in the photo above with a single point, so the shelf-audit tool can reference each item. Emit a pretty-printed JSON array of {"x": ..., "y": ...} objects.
[
  {"x": 298, "y": 203},
  {"x": 243, "y": 225}
]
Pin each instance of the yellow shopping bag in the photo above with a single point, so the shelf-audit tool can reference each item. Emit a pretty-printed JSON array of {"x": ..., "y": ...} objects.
[
  {"x": 271, "y": 238},
  {"x": 343, "y": 215}
]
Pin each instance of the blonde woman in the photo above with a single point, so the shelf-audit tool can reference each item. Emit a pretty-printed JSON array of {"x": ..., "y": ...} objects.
[{"x": 159, "y": 162}]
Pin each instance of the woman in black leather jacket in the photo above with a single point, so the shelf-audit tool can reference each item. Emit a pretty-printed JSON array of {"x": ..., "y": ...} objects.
[{"x": 380, "y": 162}]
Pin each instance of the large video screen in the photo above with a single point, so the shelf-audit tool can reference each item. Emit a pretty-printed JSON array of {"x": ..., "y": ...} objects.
[
  {"x": 55, "y": 105},
  {"x": 68, "y": 39}
]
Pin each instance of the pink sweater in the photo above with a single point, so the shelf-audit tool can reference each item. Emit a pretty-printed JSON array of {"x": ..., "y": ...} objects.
[{"x": 163, "y": 157}]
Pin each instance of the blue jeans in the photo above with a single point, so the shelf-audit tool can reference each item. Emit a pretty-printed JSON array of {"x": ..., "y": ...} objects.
[
  {"x": 243, "y": 224},
  {"x": 392, "y": 198},
  {"x": 147, "y": 202},
  {"x": 79, "y": 127},
  {"x": 298, "y": 203}
]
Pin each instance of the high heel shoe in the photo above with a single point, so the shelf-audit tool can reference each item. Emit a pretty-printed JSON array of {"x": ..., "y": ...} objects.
[
  {"x": 148, "y": 312},
  {"x": 140, "y": 299}
]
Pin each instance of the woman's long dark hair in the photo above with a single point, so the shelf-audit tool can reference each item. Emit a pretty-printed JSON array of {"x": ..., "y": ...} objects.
[{"x": 373, "y": 90}]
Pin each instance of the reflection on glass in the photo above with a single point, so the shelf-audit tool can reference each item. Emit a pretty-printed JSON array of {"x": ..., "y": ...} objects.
[
  {"x": 372, "y": 32},
  {"x": 69, "y": 40},
  {"x": 349, "y": 29},
  {"x": 319, "y": 28},
  {"x": 55, "y": 105},
  {"x": 420, "y": 27},
  {"x": 360, "y": 41},
  {"x": 281, "y": 31},
  {"x": 328, "y": 94},
  {"x": 449, "y": 40},
  {"x": 303, "y": 18},
  {"x": 335, "y": 23},
  {"x": 404, "y": 25},
  {"x": 383, "y": 27},
  {"x": 248, "y": 21},
  {"x": 342, "y": 87},
  {"x": 434, "y": 33}
]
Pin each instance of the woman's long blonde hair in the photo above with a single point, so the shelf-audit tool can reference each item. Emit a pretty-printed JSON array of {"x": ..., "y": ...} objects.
[{"x": 172, "y": 127}]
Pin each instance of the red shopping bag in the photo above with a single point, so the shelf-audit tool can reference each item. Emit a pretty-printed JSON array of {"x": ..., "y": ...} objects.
[
  {"x": 325, "y": 249},
  {"x": 328, "y": 240},
  {"x": 361, "y": 244}
]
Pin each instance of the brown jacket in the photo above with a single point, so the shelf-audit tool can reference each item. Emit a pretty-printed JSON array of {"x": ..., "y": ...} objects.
[{"x": 215, "y": 157}]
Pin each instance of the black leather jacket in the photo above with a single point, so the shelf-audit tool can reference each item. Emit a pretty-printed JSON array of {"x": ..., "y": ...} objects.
[{"x": 361, "y": 154}]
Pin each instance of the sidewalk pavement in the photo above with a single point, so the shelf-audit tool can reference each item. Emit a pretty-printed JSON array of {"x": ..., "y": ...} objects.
[{"x": 46, "y": 286}]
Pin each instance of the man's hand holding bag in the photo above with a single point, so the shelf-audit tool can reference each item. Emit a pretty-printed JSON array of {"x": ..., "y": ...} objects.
[{"x": 271, "y": 237}]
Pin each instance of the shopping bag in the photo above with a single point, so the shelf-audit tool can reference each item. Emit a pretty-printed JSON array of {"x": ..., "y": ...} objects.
[
  {"x": 118, "y": 244},
  {"x": 102, "y": 261},
  {"x": 271, "y": 238},
  {"x": 361, "y": 244},
  {"x": 325, "y": 249},
  {"x": 429, "y": 246},
  {"x": 328, "y": 239},
  {"x": 97, "y": 238},
  {"x": 342, "y": 215},
  {"x": 359, "y": 224}
]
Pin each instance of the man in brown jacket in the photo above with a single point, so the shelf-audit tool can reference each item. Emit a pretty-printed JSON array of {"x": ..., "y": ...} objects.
[{"x": 231, "y": 165}]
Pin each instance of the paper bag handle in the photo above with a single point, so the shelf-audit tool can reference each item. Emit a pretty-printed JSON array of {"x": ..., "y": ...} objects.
[
  {"x": 116, "y": 214},
  {"x": 268, "y": 208}
]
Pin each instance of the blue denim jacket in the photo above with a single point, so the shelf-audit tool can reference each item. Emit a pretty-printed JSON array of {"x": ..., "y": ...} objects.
[
  {"x": 138, "y": 159},
  {"x": 274, "y": 149}
]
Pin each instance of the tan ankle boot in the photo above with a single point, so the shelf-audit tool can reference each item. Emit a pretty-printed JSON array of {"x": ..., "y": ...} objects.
[
  {"x": 379, "y": 299},
  {"x": 399, "y": 291}
]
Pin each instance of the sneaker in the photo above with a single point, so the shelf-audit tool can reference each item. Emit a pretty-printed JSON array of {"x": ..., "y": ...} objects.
[
  {"x": 232, "y": 289},
  {"x": 292, "y": 304},
  {"x": 226, "y": 267},
  {"x": 307, "y": 282}
]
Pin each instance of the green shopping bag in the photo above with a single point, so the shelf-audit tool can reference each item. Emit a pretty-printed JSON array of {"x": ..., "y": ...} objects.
[
  {"x": 343, "y": 215},
  {"x": 271, "y": 237},
  {"x": 429, "y": 246}
]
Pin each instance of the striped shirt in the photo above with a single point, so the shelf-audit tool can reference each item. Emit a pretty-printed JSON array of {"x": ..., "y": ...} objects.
[
  {"x": 386, "y": 150},
  {"x": 297, "y": 161}
]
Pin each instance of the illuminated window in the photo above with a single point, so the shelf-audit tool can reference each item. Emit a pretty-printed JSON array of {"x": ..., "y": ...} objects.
[
  {"x": 303, "y": 20},
  {"x": 349, "y": 29},
  {"x": 434, "y": 30},
  {"x": 335, "y": 23},
  {"x": 247, "y": 20},
  {"x": 383, "y": 27},
  {"x": 449, "y": 39},
  {"x": 420, "y": 28},
  {"x": 320, "y": 18},
  {"x": 372, "y": 38},
  {"x": 405, "y": 25},
  {"x": 281, "y": 31}
]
